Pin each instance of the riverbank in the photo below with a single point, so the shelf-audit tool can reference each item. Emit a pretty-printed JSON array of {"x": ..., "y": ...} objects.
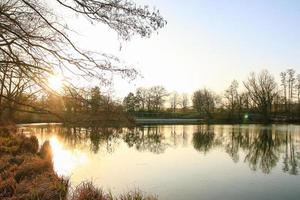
[
  {"x": 164, "y": 117},
  {"x": 27, "y": 173},
  {"x": 151, "y": 121},
  {"x": 172, "y": 121}
]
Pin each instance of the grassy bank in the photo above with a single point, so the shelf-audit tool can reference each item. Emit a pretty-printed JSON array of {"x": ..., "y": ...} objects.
[
  {"x": 26, "y": 173},
  {"x": 192, "y": 117}
]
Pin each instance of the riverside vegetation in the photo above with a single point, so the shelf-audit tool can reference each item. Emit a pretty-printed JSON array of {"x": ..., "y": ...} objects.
[
  {"x": 26, "y": 173},
  {"x": 259, "y": 99}
]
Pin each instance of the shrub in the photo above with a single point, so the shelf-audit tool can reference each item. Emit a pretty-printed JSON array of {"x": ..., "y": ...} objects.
[
  {"x": 32, "y": 168},
  {"x": 46, "y": 151},
  {"x": 87, "y": 191},
  {"x": 136, "y": 195},
  {"x": 29, "y": 145},
  {"x": 46, "y": 186}
]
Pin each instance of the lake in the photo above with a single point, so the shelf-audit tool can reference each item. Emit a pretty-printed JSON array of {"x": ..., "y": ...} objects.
[{"x": 225, "y": 162}]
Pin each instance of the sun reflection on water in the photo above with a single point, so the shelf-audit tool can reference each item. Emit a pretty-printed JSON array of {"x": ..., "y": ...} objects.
[{"x": 64, "y": 160}]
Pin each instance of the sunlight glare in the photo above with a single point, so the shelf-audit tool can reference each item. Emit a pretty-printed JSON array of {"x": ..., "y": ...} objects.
[
  {"x": 55, "y": 83},
  {"x": 64, "y": 160}
]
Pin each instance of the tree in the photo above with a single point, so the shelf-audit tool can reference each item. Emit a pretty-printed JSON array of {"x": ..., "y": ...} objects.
[
  {"x": 141, "y": 98},
  {"x": 204, "y": 101},
  {"x": 184, "y": 102},
  {"x": 174, "y": 101},
  {"x": 245, "y": 102},
  {"x": 284, "y": 85},
  {"x": 35, "y": 41},
  {"x": 298, "y": 93},
  {"x": 129, "y": 102},
  {"x": 157, "y": 96},
  {"x": 12, "y": 90},
  {"x": 262, "y": 90},
  {"x": 291, "y": 84},
  {"x": 95, "y": 100},
  {"x": 232, "y": 98}
]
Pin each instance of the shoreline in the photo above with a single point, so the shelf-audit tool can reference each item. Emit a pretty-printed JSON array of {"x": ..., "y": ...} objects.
[
  {"x": 167, "y": 121},
  {"x": 27, "y": 172}
]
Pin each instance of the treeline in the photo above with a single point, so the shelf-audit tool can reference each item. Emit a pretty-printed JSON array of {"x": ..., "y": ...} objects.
[
  {"x": 22, "y": 102},
  {"x": 154, "y": 99},
  {"x": 259, "y": 98}
]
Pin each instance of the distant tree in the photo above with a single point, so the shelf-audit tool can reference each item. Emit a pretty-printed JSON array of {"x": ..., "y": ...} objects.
[
  {"x": 157, "y": 95},
  {"x": 232, "y": 98},
  {"x": 291, "y": 83},
  {"x": 73, "y": 104},
  {"x": 291, "y": 86},
  {"x": 298, "y": 93},
  {"x": 245, "y": 102},
  {"x": 262, "y": 90},
  {"x": 129, "y": 102},
  {"x": 95, "y": 100},
  {"x": 174, "y": 100},
  {"x": 283, "y": 76},
  {"x": 141, "y": 98},
  {"x": 204, "y": 101},
  {"x": 184, "y": 102}
]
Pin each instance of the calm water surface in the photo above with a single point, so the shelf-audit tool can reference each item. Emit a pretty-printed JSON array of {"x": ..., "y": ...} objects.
[{"x": 181, "y": 162}]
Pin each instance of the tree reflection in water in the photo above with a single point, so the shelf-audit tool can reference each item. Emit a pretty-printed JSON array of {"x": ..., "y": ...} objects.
[
  {"x": 263, "y": 151},
  {"x": 291, "y": 158},
  {"x": 203, "y": 139},
  {"x": 260, "y": 147},
  {"x": 146, "y": 139}
]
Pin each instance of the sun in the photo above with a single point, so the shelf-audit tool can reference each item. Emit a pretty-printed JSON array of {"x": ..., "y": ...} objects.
[{"x": 55, "y": 83}]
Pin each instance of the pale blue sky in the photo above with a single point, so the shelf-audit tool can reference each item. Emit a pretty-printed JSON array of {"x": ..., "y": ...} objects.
[{"x": 208, "y": 43}]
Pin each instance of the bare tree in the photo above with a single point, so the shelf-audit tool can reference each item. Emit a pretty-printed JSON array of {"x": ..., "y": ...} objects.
[
  {"x": 184, "y": 101},
  {"x": 262, "y": 90},
  {"x": 298, "y": 93},
  {"x": 284, "y": 85},
  {"x": 157, "y": 94},
  {"x": 129, "y": 102},
  {"x": 35, "y": 40},
  {"x": 244, "y": 102},
  {"x": 232, "y": 97},
  {"x": 291, "y": 84},
  {"x": 174, "y": 100},
  {"x": 141, "y": 98},
  {"x": 204, "y": 101},
  {"x": 12, "y": 90}
]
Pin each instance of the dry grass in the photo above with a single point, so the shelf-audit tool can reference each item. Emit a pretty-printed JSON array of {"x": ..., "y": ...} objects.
[
  {"x": 26, "y": 173},
  {"x": 87, "y": 191}
]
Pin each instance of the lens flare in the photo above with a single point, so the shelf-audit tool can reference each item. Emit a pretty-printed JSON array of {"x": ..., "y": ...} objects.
[{"x": 55, "y": 83}]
